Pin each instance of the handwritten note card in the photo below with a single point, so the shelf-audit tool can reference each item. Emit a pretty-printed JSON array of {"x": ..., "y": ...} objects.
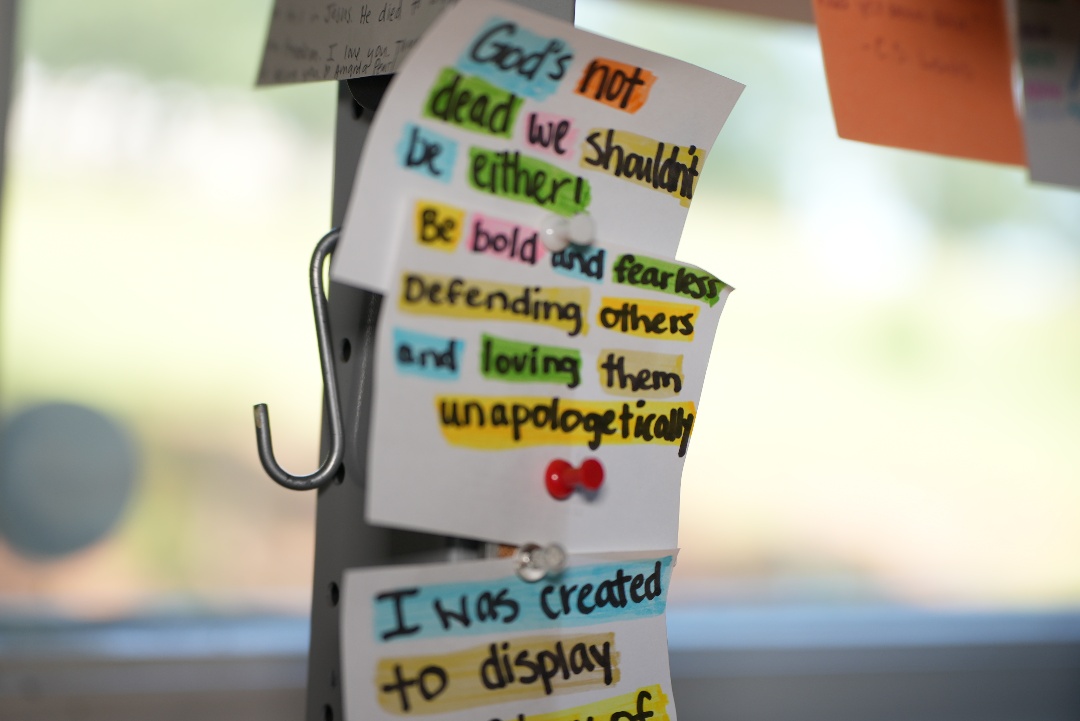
[
  {"x": 514, "y": 113},
  {"x": 310, "y": 41},
  {"x": 931, "y": 75},
  {"x": 1050, "y": 60},
  {"x": 497, "y": 356},
  {"x": 468, "y": 641}
]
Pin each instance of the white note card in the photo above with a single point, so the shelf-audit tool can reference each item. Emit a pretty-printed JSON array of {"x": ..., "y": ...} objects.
[
  {"x": 526, "y": 392},
  {"x": 468, "y": 641},
  {"x": 1050, "y": 61},
  {"x": 494, "y": 363}
]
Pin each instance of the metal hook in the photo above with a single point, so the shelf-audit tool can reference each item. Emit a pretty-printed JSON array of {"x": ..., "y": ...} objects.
[{"x": 330, "y": 466}]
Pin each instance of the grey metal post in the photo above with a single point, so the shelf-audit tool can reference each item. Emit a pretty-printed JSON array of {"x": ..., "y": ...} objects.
[
  {"x": 7, "y": 73},
  {"x": 342, "y": 538}
]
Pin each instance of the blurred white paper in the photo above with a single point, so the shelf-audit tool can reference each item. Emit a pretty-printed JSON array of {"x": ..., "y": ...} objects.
[
  {"x": 1050, "y": 61},
  {"x": 611, "y": 119},
  {"x": 470, "y": 640},
  {"x": 310, "y": 41}
]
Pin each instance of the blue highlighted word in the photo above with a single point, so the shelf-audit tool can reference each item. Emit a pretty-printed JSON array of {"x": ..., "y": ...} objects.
[
  {"x": 427, "y": 355},
  {"x": 580, "y": 596},
  {"x": 427, "y": 152},
  {"x": 580, "y": 262},
  {"x": 515, "y": 59}
]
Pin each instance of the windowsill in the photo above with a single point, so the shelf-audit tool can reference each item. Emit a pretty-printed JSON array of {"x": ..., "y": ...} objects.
[{"x": 794, "y": 662}]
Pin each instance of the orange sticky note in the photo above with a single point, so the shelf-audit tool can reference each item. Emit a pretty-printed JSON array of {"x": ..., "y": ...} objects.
[{"x": 930, "y": 75}]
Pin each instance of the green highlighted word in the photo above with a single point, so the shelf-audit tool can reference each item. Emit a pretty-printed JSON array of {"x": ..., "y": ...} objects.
[
  {"x": 509, "y": 174},
  {"x": 517, "y": 362},
  {"x": 472, "y": 103},
  {"x": 685, "y": 281}
]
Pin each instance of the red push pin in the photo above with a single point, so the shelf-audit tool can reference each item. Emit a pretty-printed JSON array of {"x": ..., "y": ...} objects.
[{"x": 561, "y": 478}]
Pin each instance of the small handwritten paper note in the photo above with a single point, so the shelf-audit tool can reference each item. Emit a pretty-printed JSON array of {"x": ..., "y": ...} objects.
[
  {"x": 931, "y": 75},
  {"x": 1050, "y": 59},
  {"x": 310, "y": 41},
  {"x": 469, "y": 641},
  {"x": 495, "y": 355}
]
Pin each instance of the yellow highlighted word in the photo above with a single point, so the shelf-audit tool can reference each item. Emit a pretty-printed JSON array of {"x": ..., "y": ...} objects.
[
  {"x": 637, "y": 374},
  {"x": 455, "y": 297},
  {"x": 513, "y": 670},
  {"x": 438, "y": 225},
  {"x": 650, "y": 163},
  {"x": 499, "y": 423},
  {"x": 648, "y": 318},
  {"x": 649, "y": 703}
]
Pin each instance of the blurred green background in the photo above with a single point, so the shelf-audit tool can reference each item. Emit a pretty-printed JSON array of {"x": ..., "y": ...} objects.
[{"x": 893, "y": 405}]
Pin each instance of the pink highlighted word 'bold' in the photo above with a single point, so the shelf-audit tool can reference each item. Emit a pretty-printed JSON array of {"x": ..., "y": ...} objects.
[{"x": 504, "y": 239}]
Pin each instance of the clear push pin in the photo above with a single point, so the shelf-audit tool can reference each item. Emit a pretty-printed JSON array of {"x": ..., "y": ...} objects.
[
  {"x": 581, "y": 230},
  {"x": 554, "y": 235},
  {"x": 559, "y": 232},
  {"x": 535, "y": 562}
]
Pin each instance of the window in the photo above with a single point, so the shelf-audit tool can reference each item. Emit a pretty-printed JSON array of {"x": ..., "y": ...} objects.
[{"x": 893, "y": 401}]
